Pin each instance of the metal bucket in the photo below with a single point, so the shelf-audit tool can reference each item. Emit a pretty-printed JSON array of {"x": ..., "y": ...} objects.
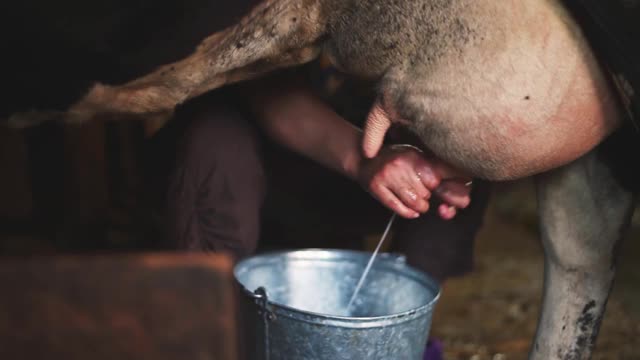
[{"x": 297, "y": 306}]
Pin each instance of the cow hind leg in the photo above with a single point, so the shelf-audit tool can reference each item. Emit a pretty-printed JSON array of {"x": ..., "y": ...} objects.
[
  {"x": 583, "y": 210},
  {"x": 275, "y": 34}
]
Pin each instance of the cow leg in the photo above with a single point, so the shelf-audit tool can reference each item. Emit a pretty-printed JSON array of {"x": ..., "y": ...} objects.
[
  {"x": 275, "y": 34},
  {"x": 583, "y": 210}
]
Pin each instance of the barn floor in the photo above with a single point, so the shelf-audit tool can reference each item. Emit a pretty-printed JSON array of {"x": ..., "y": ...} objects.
[{"x": 492, "y": 313}]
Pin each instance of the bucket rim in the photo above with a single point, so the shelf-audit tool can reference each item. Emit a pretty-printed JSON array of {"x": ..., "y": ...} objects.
[{"x": 391, "y": 260}]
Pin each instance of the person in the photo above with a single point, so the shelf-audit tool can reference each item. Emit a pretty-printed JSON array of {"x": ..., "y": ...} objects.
[
  {"x": 215, "y": 188},
  {"x": 211, "y": 194},
  {"x": 215, "y": 191}
]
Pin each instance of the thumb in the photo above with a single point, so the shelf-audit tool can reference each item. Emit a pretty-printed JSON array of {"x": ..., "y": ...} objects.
[{"x": 375, "y": 128}]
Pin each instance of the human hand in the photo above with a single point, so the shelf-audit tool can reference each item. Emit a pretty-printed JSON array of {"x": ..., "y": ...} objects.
[{"x": 403, "y": 179}]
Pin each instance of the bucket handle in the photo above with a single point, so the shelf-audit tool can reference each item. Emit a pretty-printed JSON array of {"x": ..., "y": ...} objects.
[{"x": 262, "y": 301}]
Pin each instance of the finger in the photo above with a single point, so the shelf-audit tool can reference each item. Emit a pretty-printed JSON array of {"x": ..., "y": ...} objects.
[
  {"x": 390, "y": 200},
  {"x": 427, "y": 176},
  {"x": 411, "y": 199},
  {"x": 415, "y": 182},
  {"x": 447, "y": 212},
  {"x": 402, "y": 180},
  {"x": 375, "y": 129},
  {"x": 454, "y": 193}
]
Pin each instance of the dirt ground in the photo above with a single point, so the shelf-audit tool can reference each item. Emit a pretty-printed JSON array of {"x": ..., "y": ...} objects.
[{"x": 492, "y": 313}]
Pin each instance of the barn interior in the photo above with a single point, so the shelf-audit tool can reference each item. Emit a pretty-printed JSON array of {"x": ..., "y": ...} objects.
[
  {"x": 70, "y": 189},
  {"x": 81, "y": 191}
]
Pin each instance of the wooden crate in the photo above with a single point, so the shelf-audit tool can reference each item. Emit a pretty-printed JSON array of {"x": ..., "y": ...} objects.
[{"x": 147, "y": 306}]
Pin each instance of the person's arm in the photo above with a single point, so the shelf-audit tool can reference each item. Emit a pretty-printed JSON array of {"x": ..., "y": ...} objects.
[
  {"x": 402, "y": 179},
  {"x": 296, "y": 118}
]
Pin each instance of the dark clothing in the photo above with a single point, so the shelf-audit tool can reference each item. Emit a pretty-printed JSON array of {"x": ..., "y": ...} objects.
[
  {"x": 207, "y": 182},
  {"x": 217, "y": 187},
  {"x": 442, "y": 248}
]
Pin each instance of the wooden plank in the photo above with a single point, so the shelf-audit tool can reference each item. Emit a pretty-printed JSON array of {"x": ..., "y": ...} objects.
[
  {"x": 151, "y": 306},
  {"x": 15, "y": 182}
]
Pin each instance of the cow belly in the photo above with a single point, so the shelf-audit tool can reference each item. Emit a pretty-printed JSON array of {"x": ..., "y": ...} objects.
[{"x": 526, "y": 96}]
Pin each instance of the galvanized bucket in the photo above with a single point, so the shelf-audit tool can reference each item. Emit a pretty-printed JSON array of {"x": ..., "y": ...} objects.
[{"x": 296, "y": 302}]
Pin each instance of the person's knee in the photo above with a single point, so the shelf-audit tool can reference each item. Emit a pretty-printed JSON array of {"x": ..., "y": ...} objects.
[{"x": 219, "y": 181}]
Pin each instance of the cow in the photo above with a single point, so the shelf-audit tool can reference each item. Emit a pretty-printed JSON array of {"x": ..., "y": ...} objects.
[{"x": 499, "y": 89}]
